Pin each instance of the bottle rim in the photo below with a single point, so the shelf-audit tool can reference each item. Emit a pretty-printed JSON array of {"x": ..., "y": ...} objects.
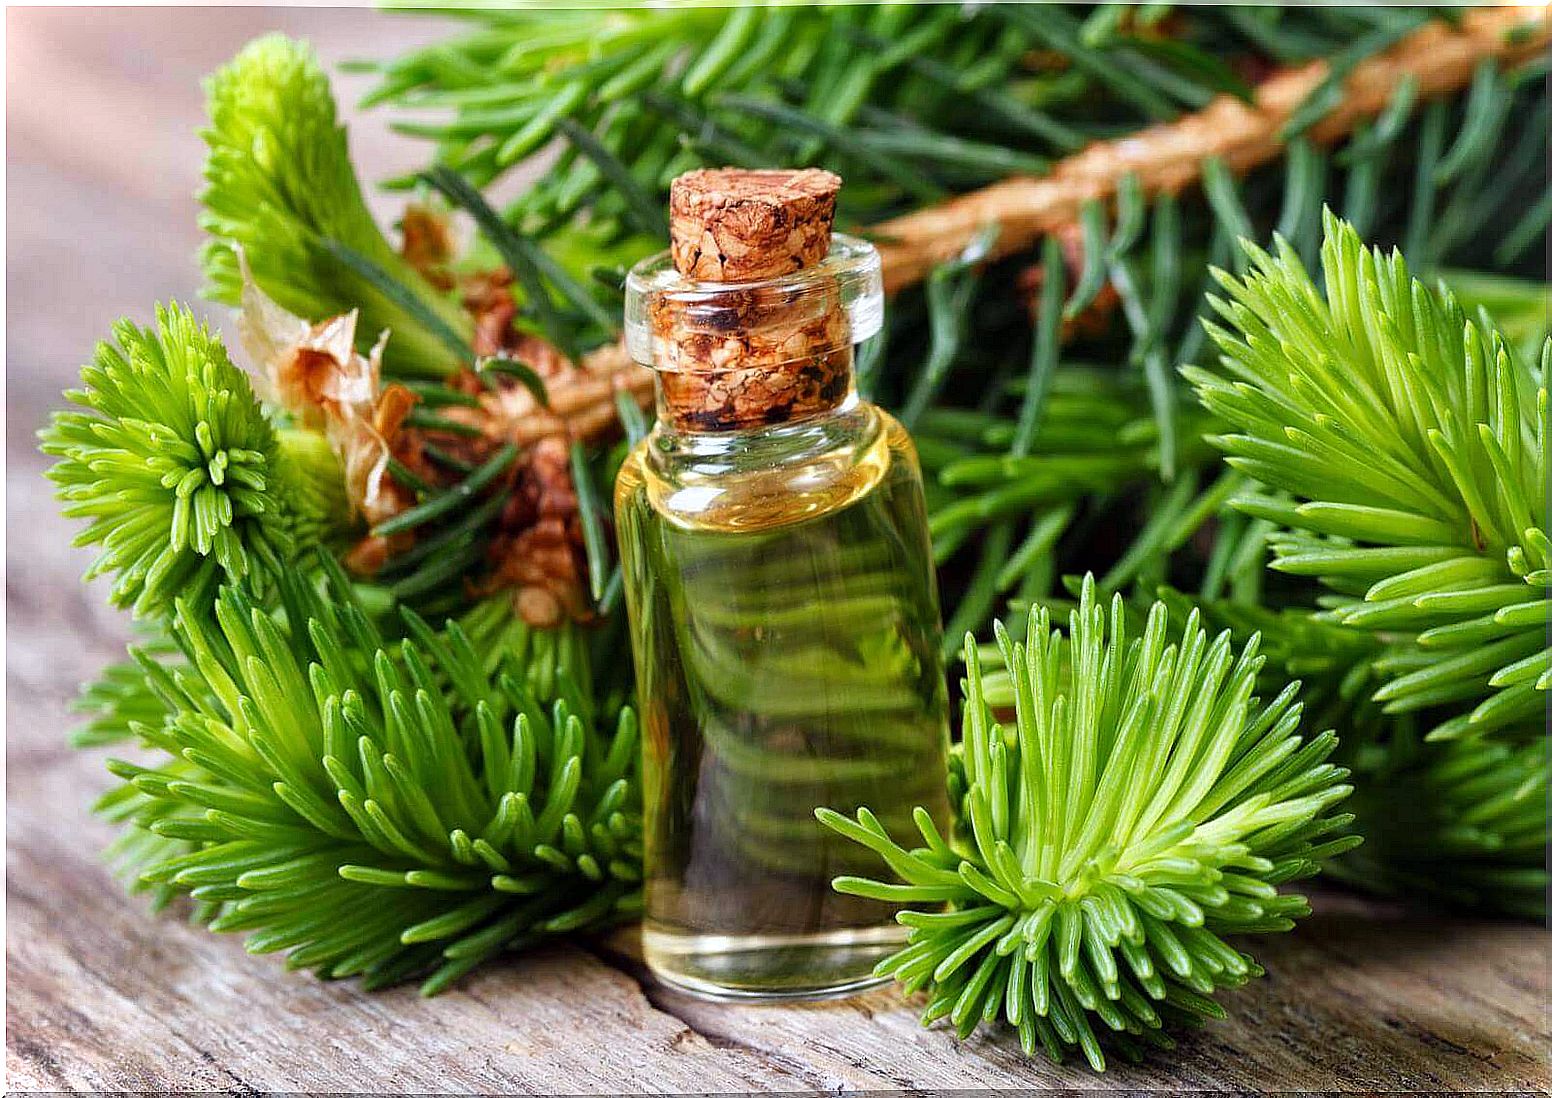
[{"x": 834, "y": 305}]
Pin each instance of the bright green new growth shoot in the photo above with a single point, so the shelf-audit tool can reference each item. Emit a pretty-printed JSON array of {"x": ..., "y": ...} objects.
[
  {"x": 376, "y": 809},
  {"x": 176, "y": 466},
  {"x": 280, "y": 186},
  {"x": 1142, "y": 804},
  {"x": 1412, "y": 441}
]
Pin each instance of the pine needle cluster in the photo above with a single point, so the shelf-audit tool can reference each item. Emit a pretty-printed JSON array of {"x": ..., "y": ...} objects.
[
  {"x": 1141, "y": 804},
  {"x": 327, "y": 774},
  {"x": 909, "y": 102},
  {"x": 175, "y": 465},
  {"x": 374, "y": 808},
  {"x": 1400, "y": 448},
  {"x": 1464, "y": 820},
  {"x": 321, "y": 513},
  {"x": 916, "y": 104}
]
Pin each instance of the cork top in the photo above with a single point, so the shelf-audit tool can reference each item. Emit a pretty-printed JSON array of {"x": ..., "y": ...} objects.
[
  {"x": 750, "y": 319},
  {"x": 747, "y": 225}
]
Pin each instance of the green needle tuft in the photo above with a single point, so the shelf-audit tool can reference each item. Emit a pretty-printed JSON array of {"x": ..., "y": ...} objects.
[
  {"x": 321, "y": 510},
  {"x": 175, "y": 465},
  {"x": 1141, "y": 804},
  {"x": 378, "y": 809},
  {"x": 280, "y": 186},
  {"x": 1412, "y": 442},
  {"x": 1400, "y": 448}
]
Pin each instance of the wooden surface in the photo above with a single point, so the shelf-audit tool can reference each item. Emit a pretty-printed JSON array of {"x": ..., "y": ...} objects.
[{"x": 103, "y": 162}]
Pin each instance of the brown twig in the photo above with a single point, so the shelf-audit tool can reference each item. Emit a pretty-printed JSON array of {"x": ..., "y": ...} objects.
[{"x": 1168, "y": 157}]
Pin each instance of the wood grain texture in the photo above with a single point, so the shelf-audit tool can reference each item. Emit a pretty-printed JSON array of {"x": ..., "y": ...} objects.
[{"x": 103, "y": 995}]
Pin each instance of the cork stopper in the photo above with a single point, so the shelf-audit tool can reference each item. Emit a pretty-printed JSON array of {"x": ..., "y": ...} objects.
[
  {"x": 752, "y": 316},
  {"x": 746, "y": 225}
]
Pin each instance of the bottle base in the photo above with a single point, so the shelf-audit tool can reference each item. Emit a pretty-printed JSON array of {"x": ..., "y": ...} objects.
[{"x": 752, "y": 968}]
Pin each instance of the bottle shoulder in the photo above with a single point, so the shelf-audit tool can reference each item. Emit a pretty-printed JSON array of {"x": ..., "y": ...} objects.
[
  {"x": 759, "y": 480},
  {"x": 898, "y": 439}
]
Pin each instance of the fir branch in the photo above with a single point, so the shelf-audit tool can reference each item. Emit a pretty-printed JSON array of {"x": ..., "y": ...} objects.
[
  {"x": 661, "y": 90},
  {"x": 280, "y": 186},
  {"x": 1097, "y": 438},
  {"x": 1413, "y": 442},
  {"x": 1161, "y": 307},
  {"x": 1464, "y": 821},
  {"x": 122, "y": 696},
  {"x": 1036, "y": 466},
  {"x": 1397, "y": 383},
  {"x": 320, "y": 507},
  {"x": 373, "y": 809},
  {"x": 534, "y": 270},
  {"x": 1143, "y": 804},
  {"x": 1161, "y": 280},
  {"x": 630, "y": 79}
]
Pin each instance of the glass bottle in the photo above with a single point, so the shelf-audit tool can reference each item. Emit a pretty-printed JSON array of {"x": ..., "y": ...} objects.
[{"x": 782, "y": 600}]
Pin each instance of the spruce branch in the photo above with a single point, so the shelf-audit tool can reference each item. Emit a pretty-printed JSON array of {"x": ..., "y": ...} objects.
[
  {"x": 1437, "y": 59},
  {"x": 1143, "y": 804},
  {"x": 1028, "y": 473},
  {"x": 621, "y": 87},
  {"x": 122, "y": 696},
  {"x": 1413, "y": 442},
  {"x": 280, "y": 187},
  {"x": 174, "y": 463},
  {"x": 1097, "y": 77},
  {"x": 1379, "y": 419},
  {"x": 1155, "y": 262},
  {"x": 1096, "y": 436},
  {"x": 320, "y": 509},
  {"x": 858, "y": 86},
  {"x": 377, "y": 809}
]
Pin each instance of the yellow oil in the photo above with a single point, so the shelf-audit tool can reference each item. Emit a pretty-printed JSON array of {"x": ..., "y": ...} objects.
[{"x": 786, "y": 633}]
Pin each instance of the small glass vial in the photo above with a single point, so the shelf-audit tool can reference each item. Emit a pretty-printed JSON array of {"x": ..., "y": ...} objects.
[{"x": 782, "y": 599}]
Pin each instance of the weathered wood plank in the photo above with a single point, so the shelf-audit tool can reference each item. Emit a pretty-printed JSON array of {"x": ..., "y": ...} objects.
[
  {"x": 104, "y": 995},
  {"x": 1364, "y": 995}
]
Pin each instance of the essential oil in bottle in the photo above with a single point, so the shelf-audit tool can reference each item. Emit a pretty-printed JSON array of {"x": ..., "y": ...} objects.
[{"x": 780, "y": 587}]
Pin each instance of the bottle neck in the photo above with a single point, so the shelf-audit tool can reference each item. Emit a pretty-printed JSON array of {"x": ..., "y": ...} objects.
[
  {"x": 740, "y": 357},
  {"x": 722, "y": 401}
]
